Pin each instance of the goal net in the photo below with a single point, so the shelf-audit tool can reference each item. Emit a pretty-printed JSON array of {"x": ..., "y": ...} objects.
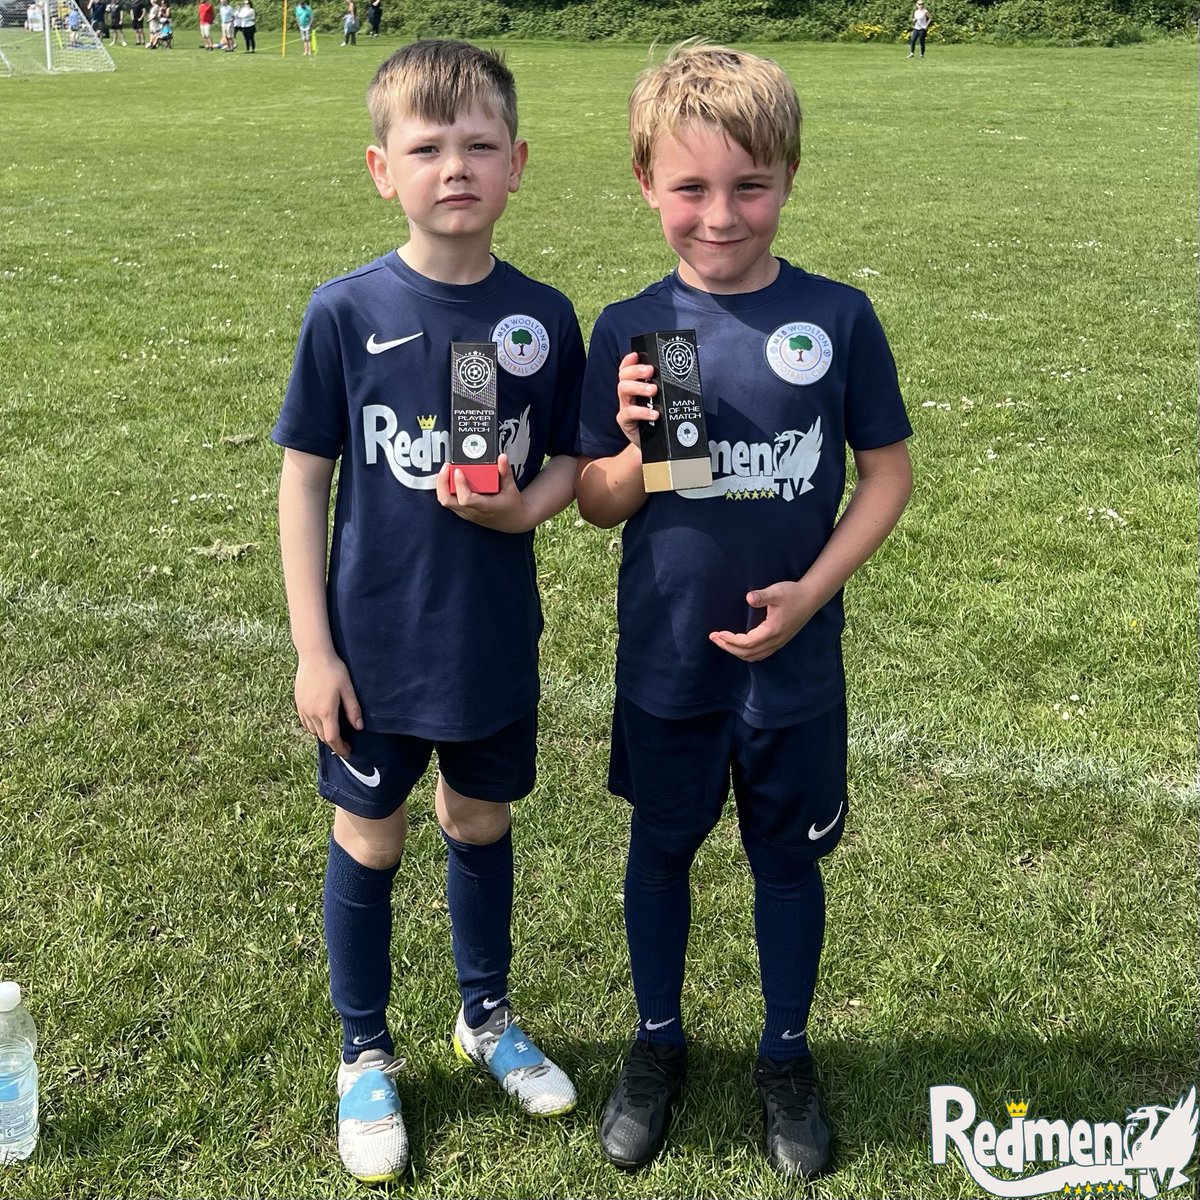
[{"x": 55, "y": 36}]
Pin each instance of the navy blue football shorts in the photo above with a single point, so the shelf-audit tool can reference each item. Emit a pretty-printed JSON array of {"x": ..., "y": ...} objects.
[
  {"x": 383, "y": 768},
  {"x": 789, "y": 784}
]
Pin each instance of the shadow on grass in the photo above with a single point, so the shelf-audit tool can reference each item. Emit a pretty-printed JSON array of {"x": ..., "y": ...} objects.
[{"x": 877, "y": 1091}]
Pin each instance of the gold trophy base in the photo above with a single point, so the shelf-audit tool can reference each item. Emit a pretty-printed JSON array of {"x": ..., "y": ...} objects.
[{"x": 678, "y": 475}]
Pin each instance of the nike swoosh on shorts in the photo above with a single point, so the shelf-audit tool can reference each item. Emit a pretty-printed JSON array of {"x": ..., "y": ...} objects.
[
  {"x": 815, "y": 834},
  {"x": 370, "y": 781}
]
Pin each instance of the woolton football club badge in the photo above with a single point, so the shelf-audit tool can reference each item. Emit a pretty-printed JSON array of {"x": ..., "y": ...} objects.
[
  {"x": 799, "y": 353},
  {"x": 522, "y": 344}
]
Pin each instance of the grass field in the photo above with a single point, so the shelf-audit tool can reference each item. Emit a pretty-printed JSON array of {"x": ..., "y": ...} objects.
[{"x": 1014, "y": 906}]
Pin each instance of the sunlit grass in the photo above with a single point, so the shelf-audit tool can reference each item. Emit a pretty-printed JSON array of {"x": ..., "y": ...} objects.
[{"x": 1013, "y": 908}]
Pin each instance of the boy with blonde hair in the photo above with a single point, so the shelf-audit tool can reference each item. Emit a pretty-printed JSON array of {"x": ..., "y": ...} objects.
[
  {"x": 729, "y": 662},
  {"x": 423, "y": 635}
]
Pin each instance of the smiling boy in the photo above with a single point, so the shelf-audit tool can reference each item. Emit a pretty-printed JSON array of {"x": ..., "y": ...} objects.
[
  {"x": 729, "y": 667},
  {"x": 422, "y": 637}
]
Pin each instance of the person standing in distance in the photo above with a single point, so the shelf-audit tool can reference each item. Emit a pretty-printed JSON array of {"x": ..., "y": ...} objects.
[
  {"x": 920, "y": 26},
  {"x": 249, "y": 22},
  {"x": 205, "y": 15},
  {"x": 374, "y": 15},
  {"x": 115, "y": 18},
  {"x": 421, "y": 637},
  {"x": 729, "y": 616},
  {"x": 304, "y": 22}
]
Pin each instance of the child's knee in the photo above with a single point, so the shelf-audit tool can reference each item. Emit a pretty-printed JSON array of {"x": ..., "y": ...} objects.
[
  {"x": 374, "y": 843},
  {"x": 476, "y": 822},
  {"x": 655, "y": 851},
  {"x": 777, "y": 866}
]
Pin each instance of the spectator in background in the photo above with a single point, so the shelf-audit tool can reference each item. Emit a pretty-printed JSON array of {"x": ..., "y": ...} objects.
[
  {"x": 350, "y": 25},
  {"x": 155, "y": 25},
  {"x": 138, "y": 15},
  {"x": 204, "y": 16},
  {"x": 374, "y": 15},
  {"x": 249, "y": 20},
  {"x": 920, "y": 26},
  {"x": 227, "y": 42},
  {"x": 74, "y": 21},
  {"x": 304, "y": 20},
  {"x": 98, "y": 25},
  {"x": 114, "y": 20}
]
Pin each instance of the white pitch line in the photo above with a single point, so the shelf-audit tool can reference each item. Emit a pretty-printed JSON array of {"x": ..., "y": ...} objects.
[
  {"x": 193, "y": 624},
  {"x": 885, "y": 741}
]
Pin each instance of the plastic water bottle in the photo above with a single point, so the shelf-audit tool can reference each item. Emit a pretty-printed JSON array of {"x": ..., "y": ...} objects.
[{"x": 18, "y": 1077}]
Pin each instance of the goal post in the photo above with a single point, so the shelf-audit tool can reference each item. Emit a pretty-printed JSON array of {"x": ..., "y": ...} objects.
[{"x": 49, "y": 37}]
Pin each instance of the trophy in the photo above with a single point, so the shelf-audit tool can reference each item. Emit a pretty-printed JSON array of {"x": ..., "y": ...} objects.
[
  {"x": 474, "y": 435},
  {"x": 675, "y": 453}
]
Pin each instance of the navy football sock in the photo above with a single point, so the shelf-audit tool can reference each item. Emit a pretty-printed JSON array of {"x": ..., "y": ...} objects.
[
  {"x": 479, "y": 893},
  {"x": 658, "y": 915},
  {"x": 358, "y": 935},
  {"x": 789, "y": 923}
]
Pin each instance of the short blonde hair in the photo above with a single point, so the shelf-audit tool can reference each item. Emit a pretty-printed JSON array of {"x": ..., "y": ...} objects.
[
  {"x": 438, "y": 80},
  {"x": 749, "y": 98}
]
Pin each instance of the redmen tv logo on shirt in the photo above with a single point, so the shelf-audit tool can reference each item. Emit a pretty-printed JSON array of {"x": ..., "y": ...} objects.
[{"x": 415, "y": 458}]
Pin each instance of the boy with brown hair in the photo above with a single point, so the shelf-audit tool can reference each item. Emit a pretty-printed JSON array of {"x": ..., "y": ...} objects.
[
  {"x": 729, "y": 666},
  {"x": 422, "y": 636}
]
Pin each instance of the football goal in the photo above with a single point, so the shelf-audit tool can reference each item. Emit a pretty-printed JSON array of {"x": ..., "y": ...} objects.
[{"x": 49, "y": 36}]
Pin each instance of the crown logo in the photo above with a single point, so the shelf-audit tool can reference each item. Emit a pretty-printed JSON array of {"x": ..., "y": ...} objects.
[
  {"x": 427, "y": 421},
  {"x": 1018, "y": 1108}
]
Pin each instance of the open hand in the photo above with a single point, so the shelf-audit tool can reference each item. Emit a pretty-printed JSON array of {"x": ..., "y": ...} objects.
[{"x": 788, "y": 611}]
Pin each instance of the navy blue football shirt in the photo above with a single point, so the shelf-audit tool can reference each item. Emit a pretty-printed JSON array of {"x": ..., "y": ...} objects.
[
  {"x": 437, "y": 619},
  {"x": 791, "y": 374}
]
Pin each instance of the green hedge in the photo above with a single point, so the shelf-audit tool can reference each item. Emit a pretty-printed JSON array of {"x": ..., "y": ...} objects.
[{"x": 1052, "y": 22}]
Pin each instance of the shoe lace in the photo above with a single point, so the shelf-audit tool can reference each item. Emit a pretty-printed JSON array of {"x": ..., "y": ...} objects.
[
  {"x": 645, "y": 1078},
  {"x": 792, "y": 1089}
]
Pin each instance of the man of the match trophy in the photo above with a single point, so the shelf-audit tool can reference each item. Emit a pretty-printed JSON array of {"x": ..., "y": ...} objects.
[
  {"x": 675, "y": 453},
  {"x": 474, "y": 435}
]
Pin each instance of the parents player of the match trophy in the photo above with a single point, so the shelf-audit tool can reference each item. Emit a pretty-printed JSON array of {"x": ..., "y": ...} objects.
[
  {"x": 675, "y": 453},
  {"x": 474, "y": 434}
]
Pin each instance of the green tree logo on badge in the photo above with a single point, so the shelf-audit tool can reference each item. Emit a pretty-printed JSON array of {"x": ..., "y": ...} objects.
[
  {"x": 800, "y": 343},
  {"x": 799, "y": 352},
  {"x": 522, "y": 344}
]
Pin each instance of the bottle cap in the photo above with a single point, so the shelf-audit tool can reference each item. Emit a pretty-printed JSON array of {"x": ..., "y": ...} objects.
[{"x": 10, "y": 996}]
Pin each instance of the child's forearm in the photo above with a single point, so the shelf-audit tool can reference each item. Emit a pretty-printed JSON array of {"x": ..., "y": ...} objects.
[
  {"x": 303, "y": 532},
  {"x": 610, "y": 490},
  {"x": 552, "y": 490},
  {"x": 882, "y": 490},
  {"x": 879, "y": 497}
]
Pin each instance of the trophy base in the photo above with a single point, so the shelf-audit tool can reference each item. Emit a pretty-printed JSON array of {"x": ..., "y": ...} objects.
[
  {"x": 483, "y": 478},
  {"x": 677, "y": 475}
]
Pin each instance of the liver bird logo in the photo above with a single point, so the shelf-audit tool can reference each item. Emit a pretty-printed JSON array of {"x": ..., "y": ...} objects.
[
  {"x": 1166, "y": 1144},
  {"x": 796, "y": 458},
  {"x": 514, "y": 441}
]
